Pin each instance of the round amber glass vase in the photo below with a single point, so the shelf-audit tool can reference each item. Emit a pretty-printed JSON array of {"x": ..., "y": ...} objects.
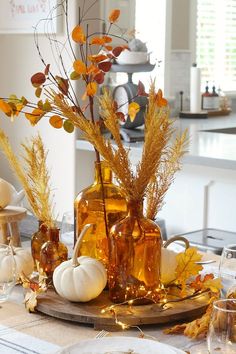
[
  {"x": 53, "y": 252},
  {"x": 89, "y": 209},
  {"x": 134, "y": 257},
  {"x": 37, "y": 240}
]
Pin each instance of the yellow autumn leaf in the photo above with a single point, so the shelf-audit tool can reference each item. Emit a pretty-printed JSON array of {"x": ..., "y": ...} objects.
[
  {"x": 186, "y": 264},
  {"x": 133, "y": 109},
  {"x": 78, "y": 35},
  {"x": 5, "y": 107},
  {"x": 79, "y": 67},
  {"x": 30, "y": 301},
  {"x": 213, "y": 284},
  {"x": 35, "y": 116},
  {"x": 91, "y": 88}
]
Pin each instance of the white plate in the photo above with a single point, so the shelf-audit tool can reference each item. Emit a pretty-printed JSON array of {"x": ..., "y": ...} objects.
[{"x": 120, "y": 345}]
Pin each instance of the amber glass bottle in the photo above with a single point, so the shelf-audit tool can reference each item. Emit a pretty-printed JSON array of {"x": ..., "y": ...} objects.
[
  {"x": 89, "y": 209},
  {"x": 135, "y": 256},
  {"x": 37, "y": 240},
  {"x": 53, "y": 252}
]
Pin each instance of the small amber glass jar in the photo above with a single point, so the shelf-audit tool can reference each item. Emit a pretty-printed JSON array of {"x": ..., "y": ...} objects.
[
  {"x": 89, "y": 209},
  {"x": 37, "y": 240},
  {"x": 53, "y": 252},
  {"x": 134, "y": 257}
]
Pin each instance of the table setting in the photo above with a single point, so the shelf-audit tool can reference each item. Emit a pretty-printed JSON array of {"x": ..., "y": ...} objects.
[{"x": 107, "y": 283}]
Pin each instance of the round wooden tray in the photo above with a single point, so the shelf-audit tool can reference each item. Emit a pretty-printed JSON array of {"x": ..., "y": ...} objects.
[{"x": 53, "y": 305}]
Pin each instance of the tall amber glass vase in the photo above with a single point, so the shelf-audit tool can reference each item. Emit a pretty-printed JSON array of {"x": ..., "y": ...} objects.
[
  {"x": 89, "y": 209},
  {"x": 134, "y": 257}
]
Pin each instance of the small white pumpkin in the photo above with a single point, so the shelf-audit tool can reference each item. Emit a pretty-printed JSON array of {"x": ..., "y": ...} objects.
[
  {"x": 23, "y": 259},
  {"x": 80, "y": 279},
  {"x": 168, "y": 260}
]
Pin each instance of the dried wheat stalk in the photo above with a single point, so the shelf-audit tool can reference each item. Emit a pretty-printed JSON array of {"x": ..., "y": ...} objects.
[
  {"x": 159, "y": 161},
  {"x": 32, "y": 173}
]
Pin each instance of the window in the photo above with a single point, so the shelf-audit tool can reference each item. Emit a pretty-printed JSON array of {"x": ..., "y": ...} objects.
[{"x": 216, "y": 42}]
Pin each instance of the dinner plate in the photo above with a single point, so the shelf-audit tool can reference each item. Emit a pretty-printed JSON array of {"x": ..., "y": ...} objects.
[{"x": 120, "y": 345}]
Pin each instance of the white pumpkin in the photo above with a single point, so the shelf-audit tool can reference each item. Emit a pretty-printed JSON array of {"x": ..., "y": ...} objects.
[
  {"x": 168, "y": 260},
  {"x": 168, "y": 265},
  {"x": 23, "y": 259},
  {"x": 80, "y": 279}
]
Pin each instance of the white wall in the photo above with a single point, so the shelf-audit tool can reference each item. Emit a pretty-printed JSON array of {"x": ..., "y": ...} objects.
[{"x": 18, "y": 61}]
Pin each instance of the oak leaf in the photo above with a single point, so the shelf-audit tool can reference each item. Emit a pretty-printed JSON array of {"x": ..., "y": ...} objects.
[
  {"x": 114, "y": 15},
  {"x": 133, "y": 109},
  {"x": 187, "y": 266},
  {"x": 78, "y": 35}
]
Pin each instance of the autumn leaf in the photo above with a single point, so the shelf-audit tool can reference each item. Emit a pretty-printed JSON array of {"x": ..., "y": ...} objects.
[
  {"x": 97, "y": 58},
  {"x": 56, "y": 121},
  {"x": 99, "y": 78},
  {"x": 141, "y": 90},
  {"x": 38, "y": 91},
  {"x": 46, "y": 70},
  {"x": 78, "y": 35},
  {"x": 105, "y": 66},
  {"x": 133, "y": 109},
  {"x": 75, "y": 76},
  {"x": 35, "y": 116},
  {"x": 160, "y": 101},
  {"x": 207, "y": 282},
  {"x": 38, "y": 79},
  {"x": 117, "y": 50},
  {"x": 68, "y": 126},
  {"x": 107, "y": 39},
  {"x": 79, "y": 67},
  {"x": 114, "y": 15},
  {"x": 187, "y": 266},
  {"x": 108, "y": 47},
  {"x": 120, "y": 116},
  {"x": 63, "y": 84},
  {"x": 5, "y": 107},
  {"x": 91, "y": 88},
  {"x": 97, "y": 40}
]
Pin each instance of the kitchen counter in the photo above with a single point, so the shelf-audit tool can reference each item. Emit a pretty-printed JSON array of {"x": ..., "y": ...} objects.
[{"x": 210, "y": 149}]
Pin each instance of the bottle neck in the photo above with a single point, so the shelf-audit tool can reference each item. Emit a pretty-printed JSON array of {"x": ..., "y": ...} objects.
[
  {"x": 135, "y": 208},
  {"x": 104, "y": 169},
  {"x": 42, "y": 227},
  {"x": 54, "y": 234}
]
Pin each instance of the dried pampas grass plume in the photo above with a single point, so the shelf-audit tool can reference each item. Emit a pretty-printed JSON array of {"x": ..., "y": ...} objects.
[{"x": 33, "y": 175}]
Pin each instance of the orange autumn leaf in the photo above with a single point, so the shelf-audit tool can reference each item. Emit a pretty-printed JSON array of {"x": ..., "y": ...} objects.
[
  {"x": 91, "y": 88},
  {"x": 107, "y": 39},
  {"x": 92, "y": 69},
  {"x": 207, "y": 282},
  {"x": 160, "y": 100},
  {"x": 35, "y": 116},
  {"x": 56, "y": 122},
  {"x": 114, "y": 15},
  {"x": 133, "y": 109},
  {"x": 97, "y": 40},
  {"x": 97, "y": 58},
  {"x": 78, "y": 35},
  {"x": 79, "y": 67},
  {"x": 5, "y": 107}
]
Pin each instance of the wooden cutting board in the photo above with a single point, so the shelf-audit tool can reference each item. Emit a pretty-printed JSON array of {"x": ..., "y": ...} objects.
[{"x": 90, "y": 313}]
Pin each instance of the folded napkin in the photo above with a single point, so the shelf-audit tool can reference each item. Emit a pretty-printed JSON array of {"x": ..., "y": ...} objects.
[{"x": 12, "y": 342}]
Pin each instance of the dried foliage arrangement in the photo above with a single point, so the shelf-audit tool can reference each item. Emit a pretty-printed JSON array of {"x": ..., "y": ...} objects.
[
  {"x": 160, "y": 158},
  {"x": 32, "y": 173}
]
